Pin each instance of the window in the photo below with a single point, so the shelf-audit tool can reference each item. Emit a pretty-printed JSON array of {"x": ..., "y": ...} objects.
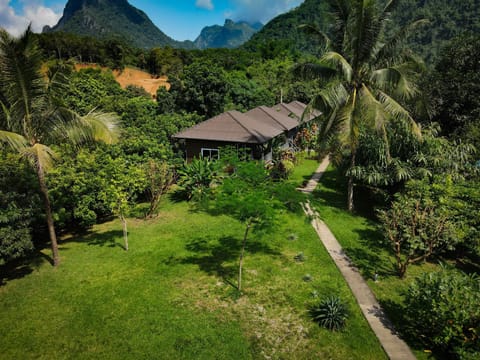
[{"x": 211, "y": 154}]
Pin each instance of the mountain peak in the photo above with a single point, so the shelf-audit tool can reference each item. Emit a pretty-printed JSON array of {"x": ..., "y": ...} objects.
[
  {"x": 232, "y": 34},
  {"x": 113, "y": 19}
]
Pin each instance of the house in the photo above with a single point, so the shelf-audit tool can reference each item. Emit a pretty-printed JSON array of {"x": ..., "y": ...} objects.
[{"x": 258, "y": 130}]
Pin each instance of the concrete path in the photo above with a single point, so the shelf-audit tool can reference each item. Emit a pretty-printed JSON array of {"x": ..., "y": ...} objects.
[{"x": 395, "y": 347}]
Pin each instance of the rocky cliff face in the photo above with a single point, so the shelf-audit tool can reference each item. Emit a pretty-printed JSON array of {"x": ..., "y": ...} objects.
[
  {"x": 113, "y": 19},
  {"x": 230, "y": 35}
]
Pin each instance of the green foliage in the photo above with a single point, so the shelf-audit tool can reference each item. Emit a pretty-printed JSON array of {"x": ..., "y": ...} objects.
[
  {"x": 447, "y": 19},
  {"x": 33, "y": 117},
  {"x": 441, "y": 310},
  {"x": 201, "y": 88},
  {"x": 420, "y": 224},
  {"x": 366, "y": 80},
  {"x": 76, "y": 185},
  {"x": 19, "y": 207},
  {"x": 331, "y": 313},
  {"x": 159, "y": 176},
  {"x": 89, "y": 89},
  {"x": 196, "y": 178},
  {"x": 283, "y": 33},
  {"x": 244, "y": 94},
  {"x": 166, "y": 61},
  {"x": 453, "y": 88}
]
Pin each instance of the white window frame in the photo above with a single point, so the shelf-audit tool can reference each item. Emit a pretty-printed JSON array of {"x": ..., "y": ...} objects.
[{"x": 212, "y": 154}]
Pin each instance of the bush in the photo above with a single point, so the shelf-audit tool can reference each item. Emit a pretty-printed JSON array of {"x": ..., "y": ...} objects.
[
  {"x": 196, "y": 178},
  {"x": 331, "y": 313},
  {"x": 442, "y": 309}
]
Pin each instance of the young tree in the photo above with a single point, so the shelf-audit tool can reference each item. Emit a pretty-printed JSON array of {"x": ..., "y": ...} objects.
[
  {"x": 160, "y": 176},
  {"x": 366, "y": 77},
  {"x": 246, "y": 196},
  {"x": 123, "y": 182},
  {"x": 32, "y": 117}
]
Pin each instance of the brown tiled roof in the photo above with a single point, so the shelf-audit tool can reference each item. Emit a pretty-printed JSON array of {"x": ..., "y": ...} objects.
[
  {"x": 276, "y": 119},
  {"x": 295, "y": 109},
  {"x": 231, "y": 126},
  {"x": 256, "y": 126}
]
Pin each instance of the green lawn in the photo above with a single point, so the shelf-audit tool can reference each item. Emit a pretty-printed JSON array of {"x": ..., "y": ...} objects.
[
  {"x": 170, "y": 296},
  {"x": 362, "y": 241}
]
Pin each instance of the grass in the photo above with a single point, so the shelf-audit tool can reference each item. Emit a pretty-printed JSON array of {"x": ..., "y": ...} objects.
[
  {"x": 171, "y": 295},
  {"x": 304, "y": 170},
  {"x": 362, "y": 241}
]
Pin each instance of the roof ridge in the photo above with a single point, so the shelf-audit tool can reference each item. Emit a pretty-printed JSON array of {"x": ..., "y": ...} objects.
[
  {"x": 262, "y": 108},
  {"x": 242, "y": 125}
]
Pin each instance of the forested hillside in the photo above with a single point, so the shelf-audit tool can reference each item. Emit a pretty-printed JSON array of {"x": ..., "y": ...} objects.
[{"x": 447, "y": 19}]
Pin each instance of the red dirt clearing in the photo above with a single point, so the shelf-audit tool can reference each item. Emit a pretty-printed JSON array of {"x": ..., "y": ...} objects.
[{"x": 130, "y": 76}]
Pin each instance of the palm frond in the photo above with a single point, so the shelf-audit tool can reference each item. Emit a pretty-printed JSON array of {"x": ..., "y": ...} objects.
[
  {"x": 23, "y": 84},
  {"x": 371, "y": 104},
  {"x": 396, "y": 110},
  {"x": 311, "y": 29},
  {"x": 336, "y": 60},
  {"x": 311, "y": 71},
  {"x": 40, "y": 156},
  {"x": 348, "y": 122},
  {"x": 396, "y": 80},
  {"x": 14, "y": 140},
  {"x": 387, "y": 53},
  {"x": 95, "y": 126}
]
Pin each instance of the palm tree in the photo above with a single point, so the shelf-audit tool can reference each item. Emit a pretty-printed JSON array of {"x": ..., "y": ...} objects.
[
  {"x": 32, "y": 117},
  {"x": 366, "y": 78}
]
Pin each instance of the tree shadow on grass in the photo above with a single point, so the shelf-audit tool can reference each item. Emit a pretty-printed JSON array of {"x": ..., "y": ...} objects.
[
  {"x": 103, "y": 239},
  {"x": 23, "y": 267},
  {"x": 395, "y": 312},
  {"x": 372, "y": 256},
  {"x": 370, "y": 263},
  {"x": 219, "y": 257}
]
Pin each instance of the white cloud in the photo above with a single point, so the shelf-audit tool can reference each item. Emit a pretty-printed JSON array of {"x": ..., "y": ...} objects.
[
  {"x": 261, "y": 10},
  {"x": 33, "y": 11},
  {"x": 204, "y": 4},
  {"x": 10, "y": 21}
]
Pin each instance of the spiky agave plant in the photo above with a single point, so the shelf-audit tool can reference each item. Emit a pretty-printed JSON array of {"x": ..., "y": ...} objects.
[{"x": 331, "y": 313}]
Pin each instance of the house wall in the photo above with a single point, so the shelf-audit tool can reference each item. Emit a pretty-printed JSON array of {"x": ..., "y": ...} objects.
[{"x": 193, "y": 148}]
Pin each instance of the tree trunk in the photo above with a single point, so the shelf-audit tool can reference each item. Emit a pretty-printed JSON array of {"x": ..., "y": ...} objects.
[
  {"x": 241, "y": 258},
  {"x": 350, "y": 205},
  {"x": 125, "y": 230},
  {"x": 48, "y": 212}
]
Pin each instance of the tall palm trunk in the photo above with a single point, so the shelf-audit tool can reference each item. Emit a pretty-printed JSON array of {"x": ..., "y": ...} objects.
[
  {"x": 48, "y": 212},
  {"x": 350, "y": 183}
]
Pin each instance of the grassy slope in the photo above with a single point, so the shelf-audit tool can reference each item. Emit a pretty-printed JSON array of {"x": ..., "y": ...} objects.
[
  {"x": 362, "y": 241},
  {"x": 169, "y": 296}
]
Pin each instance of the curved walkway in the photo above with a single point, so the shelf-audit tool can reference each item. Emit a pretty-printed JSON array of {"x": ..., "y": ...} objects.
[{"x": 395, "y": 347}]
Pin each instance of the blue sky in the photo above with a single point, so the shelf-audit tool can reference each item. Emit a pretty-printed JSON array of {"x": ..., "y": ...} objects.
[{"x": 179, "y": 19}]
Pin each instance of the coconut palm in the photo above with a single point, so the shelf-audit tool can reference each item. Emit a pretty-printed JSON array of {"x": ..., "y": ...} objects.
[
  {"x": 32, "y": 118},
  {"x": 366, "y": 78}
]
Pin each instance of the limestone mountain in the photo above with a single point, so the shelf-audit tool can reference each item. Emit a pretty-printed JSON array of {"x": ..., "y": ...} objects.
[
  {"x": 113, "y": 19},
  {"x": 231, "y": 35}
]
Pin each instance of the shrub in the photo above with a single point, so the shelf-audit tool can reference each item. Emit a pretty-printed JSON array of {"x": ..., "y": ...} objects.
[
  {"x": 196, "y": 178},
  {"x": 331, "y": 313},
  {"x": 442, "y": 309}
]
